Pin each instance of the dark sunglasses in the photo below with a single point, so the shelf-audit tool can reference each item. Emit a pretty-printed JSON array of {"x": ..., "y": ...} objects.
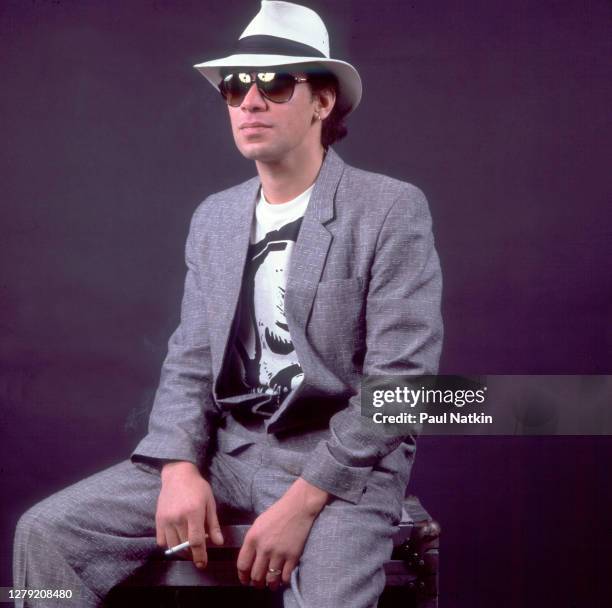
[{"x": 277, "y": 87}]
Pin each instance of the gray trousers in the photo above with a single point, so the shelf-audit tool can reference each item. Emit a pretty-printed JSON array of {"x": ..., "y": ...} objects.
[{"x": 93, "y": 534}]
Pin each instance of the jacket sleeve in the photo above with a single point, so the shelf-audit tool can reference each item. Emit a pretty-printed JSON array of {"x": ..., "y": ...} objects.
[
  {"x": 180, "y": 421},
  {"x": 404, "y": 337}
]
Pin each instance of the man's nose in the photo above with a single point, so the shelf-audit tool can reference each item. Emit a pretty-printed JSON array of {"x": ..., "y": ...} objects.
[{"x": 253, "y": 99}]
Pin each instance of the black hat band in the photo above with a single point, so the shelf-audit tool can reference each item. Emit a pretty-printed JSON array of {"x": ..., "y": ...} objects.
[{"x": 273, "y": 45}]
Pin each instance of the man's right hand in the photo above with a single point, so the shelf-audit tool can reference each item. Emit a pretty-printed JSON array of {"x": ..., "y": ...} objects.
[{"x": 186, "y": 510}]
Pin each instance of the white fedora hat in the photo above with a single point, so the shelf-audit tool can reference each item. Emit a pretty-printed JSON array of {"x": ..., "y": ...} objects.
[{"x": 284, "y": 34}]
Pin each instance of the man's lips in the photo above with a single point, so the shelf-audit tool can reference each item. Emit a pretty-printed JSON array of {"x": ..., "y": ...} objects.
[{"x": 254, "y": 125}]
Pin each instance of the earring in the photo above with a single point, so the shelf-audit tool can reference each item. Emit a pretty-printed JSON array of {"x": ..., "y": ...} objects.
[{"x": 317, "y": 116}]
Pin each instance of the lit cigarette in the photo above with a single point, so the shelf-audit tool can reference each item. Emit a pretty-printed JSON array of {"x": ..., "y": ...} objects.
[{"x": 177, "y": 548}]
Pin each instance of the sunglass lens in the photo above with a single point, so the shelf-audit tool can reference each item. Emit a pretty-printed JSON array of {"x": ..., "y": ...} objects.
[
  {"x": 276, "y": 87},
  {"x": 234, "y": 89}
]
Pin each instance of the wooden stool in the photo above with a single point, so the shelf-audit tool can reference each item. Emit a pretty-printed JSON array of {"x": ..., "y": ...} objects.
[{"x": 412, "y": 572}]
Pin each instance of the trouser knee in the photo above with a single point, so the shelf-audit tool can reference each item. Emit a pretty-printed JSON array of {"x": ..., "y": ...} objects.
[{"x": 40, "y": 524}]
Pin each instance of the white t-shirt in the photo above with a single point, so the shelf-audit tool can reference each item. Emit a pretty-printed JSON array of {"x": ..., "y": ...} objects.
[{"x": 262, "y": 348}]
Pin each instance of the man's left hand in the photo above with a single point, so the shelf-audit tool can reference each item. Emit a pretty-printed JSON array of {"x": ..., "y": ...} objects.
[{"x": 273, "y": 546}]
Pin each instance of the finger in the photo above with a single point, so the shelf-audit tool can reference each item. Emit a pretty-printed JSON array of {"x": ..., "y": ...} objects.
[
  {"x": 197, "y": 541},
  {"x": 260, "y": 569},
  {"x": 274, "y": 573},
  {"x": 181, "y": 529},
  {"x": 212, "y": 523},
  {"x": 183, "y": 535},
  {"x": 288, "y": 568},
  {"x": 172, "y": 536},
  {"x": 245, "y": 561},
  {"x": 160, "y": 537}
]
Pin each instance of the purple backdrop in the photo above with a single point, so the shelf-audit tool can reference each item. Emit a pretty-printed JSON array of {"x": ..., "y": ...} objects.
[{"x": 499, "y": 111}]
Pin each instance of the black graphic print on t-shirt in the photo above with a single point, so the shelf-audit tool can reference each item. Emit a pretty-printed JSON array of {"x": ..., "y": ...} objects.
[{"x": 263, "y": 344}]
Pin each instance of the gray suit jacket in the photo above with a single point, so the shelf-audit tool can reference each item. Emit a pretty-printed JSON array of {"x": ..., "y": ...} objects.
[{"x": 362, "y": 298}]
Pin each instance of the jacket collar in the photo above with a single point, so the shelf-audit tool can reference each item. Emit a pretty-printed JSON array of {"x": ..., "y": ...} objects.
[{"x": 321, "y": 203}]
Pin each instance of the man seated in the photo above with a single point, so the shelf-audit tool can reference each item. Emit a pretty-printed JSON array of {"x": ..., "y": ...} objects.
[{"x": 299, "y": 282}]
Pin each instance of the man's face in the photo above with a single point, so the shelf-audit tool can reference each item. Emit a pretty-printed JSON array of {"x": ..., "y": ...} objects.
[{"x": 267, "y": 131}]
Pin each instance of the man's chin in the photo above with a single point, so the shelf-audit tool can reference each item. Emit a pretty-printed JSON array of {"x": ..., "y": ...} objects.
[{"x": 259, "y": 152}]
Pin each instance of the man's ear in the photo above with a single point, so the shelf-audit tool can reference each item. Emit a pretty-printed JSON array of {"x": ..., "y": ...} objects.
[{"x": 325, "y": 102}]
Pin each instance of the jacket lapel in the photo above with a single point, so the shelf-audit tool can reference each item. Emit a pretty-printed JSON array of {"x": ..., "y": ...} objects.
[
  {"x": 229, "y": 263},
  {"x": 310, "y": 251}
]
